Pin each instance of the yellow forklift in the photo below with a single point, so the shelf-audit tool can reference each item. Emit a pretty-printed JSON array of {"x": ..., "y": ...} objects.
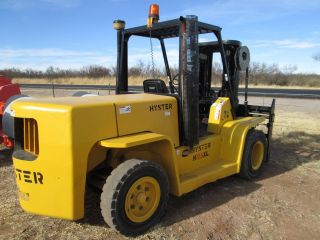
[{"x": 142, "y": 146}]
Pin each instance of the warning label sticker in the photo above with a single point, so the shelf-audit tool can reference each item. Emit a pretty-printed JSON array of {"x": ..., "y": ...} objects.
[
  {"x": 217, "y": 112},
  {"x": 125, "y": 109}
]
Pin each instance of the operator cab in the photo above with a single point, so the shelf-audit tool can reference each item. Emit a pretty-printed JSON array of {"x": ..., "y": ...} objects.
[
  {"x": 207, "y": 94},
  {"x": 192, "y": 85}
]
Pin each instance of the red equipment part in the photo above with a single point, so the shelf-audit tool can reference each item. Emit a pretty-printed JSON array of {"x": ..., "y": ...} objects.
[{"x": 7, "y": 90}]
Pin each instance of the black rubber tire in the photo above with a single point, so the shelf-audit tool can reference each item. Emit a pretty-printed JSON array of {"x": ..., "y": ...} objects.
[
  {"x": 116, "y": 187},
  {"x": 246, "y": 170}
]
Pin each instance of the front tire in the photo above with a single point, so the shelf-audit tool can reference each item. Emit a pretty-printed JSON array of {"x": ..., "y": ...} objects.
[
  {"x": 134, "y": 196},
  {"x": 254, "y": 155}
]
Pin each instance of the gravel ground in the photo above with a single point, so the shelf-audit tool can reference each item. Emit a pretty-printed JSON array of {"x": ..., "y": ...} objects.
[{"x": 284, "y": 203}]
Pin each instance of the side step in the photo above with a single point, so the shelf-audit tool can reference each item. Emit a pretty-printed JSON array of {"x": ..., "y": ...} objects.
[{"x": 195, "y": 179}]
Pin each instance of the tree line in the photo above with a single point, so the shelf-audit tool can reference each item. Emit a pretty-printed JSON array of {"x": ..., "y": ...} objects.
[{"x": 260, "y": 74}]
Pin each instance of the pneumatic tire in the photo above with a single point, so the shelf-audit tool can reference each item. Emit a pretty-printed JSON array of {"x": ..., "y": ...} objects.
[
  {"x": 254, "y": 155},
  {"x": 134, "y": 197}
]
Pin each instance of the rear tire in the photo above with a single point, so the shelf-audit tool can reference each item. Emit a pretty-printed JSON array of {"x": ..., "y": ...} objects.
[
  {"x": 254, "y": 155},
  {"x": 134, "y": 197}
]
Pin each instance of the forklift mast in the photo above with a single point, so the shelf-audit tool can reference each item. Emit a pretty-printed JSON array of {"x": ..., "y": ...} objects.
[
  {"x": 189, "y": 75},
  {"x": 228, "y": 88}
]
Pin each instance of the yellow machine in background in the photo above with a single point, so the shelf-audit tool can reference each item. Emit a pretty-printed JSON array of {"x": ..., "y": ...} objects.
[{"x": 146, "y": 145}]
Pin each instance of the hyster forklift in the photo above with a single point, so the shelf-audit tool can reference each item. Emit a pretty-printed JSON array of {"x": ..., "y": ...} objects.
[{"x": 168, "y": 139}]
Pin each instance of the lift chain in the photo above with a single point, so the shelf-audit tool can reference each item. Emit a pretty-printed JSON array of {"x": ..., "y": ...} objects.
[{"x": 152, "y": 57}]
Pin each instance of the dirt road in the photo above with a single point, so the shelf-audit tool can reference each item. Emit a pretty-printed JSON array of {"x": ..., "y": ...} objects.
[{"x": 284, "y": 203}]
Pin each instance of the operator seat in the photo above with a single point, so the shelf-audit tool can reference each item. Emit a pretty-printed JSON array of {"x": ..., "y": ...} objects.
[{"x": 155, "y": 86}]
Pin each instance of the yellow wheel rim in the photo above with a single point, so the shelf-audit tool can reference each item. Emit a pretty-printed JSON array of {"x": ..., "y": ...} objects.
[
  {"x": 142, "y": 199},
  {"x": 257, "y": 155}
]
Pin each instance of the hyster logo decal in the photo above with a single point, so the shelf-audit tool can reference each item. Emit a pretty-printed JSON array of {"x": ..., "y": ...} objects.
[
  {"x": 29, "y": 177},
  {"x": 200, "y": 151},
  {"x": 160, "y": 107}
]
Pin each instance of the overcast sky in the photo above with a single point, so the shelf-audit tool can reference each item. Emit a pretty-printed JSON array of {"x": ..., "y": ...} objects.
[{"x": 75, "y": 33}]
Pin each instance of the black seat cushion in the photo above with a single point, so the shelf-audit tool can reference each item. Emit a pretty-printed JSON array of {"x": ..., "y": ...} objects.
[{"x": 154, "y": 86}]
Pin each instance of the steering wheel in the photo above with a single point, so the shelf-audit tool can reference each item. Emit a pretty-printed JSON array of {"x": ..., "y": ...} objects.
[
  {"x": 175, "y": 78},
  {"x": 175, "y": 82}
]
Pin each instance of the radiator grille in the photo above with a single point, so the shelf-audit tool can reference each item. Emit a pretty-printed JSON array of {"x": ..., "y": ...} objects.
[{"x": 31, "y": 136}]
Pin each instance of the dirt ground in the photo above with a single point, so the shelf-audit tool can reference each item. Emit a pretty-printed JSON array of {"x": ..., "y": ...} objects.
[{"x": 284, "y": 203}]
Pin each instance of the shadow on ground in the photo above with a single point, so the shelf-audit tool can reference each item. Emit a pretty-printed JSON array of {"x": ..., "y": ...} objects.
[
  {"x": 288, "y": 152},
  {"x": 5, "y": 157}
]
